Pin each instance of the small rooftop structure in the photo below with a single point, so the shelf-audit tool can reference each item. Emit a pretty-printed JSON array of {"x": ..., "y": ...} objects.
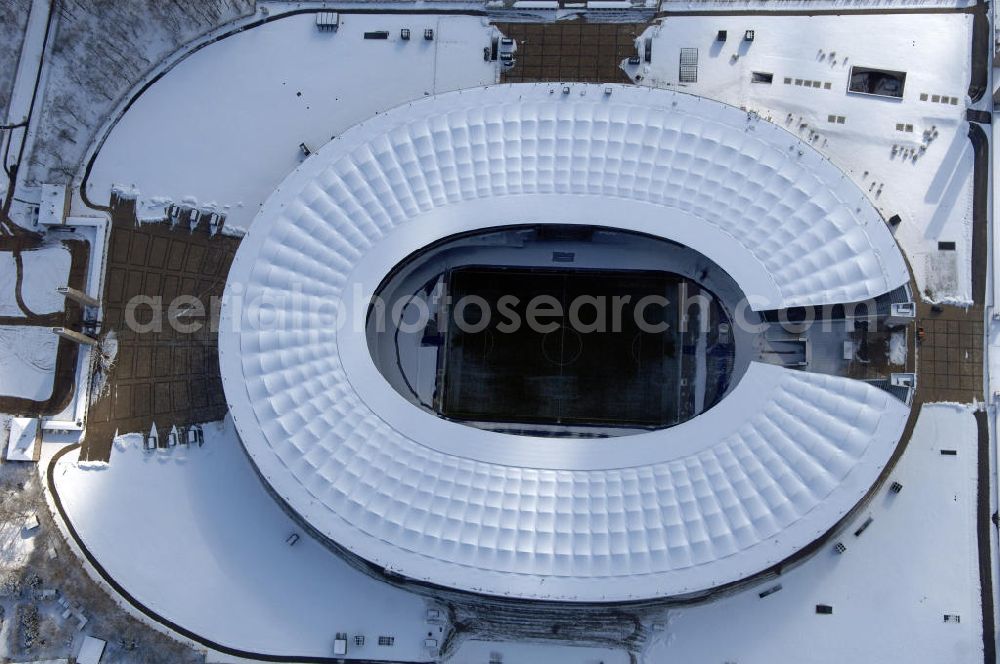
[
  {"x": 30, "y": 523},
  {"x": 327, "y": 21},
  {"x": 22, "y": 445},
  {"x": 54, "y": 205},
  {"x": 91, "y": 651}
]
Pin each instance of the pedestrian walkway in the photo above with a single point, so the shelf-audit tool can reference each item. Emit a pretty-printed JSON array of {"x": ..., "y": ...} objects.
[
  {"x": 166, "y": 377},
  {"x": 566, "y": 52}
]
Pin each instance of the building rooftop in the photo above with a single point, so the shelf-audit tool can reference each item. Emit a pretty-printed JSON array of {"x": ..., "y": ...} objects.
[{"x": 725, "y": 495}]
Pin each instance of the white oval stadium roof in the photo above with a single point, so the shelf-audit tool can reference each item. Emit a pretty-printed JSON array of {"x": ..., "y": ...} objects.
[{"x": 709, "y": 502}]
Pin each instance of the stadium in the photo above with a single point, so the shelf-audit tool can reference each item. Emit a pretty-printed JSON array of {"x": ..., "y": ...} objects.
[
  {"x": 499, "y": 331},
  {"x": 618, "y": 465}
]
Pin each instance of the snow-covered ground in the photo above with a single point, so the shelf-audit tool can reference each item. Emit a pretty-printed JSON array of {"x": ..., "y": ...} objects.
[
  {"x": 27, "y": 363},
  {"x": 30, "y": 26},
  {"x": 193, "y": 534},
  {"x": 16, "y": 543},
  {"x": 13, "y": 17},
  {"x": 221, "y": 129},
  {"x": 486, "y": 652},
  {"x": 45, "y": 269},
  {"x": 737, "y": 5},
  {"x": 97, "y": 51},
  {"x": 891, "y": 589},
  {"x": 927, "y": 180}
]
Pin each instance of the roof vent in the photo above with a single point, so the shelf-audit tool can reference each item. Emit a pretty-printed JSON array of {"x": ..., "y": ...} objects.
[
  {"x": 688, "y": 66},
  {"x": 326, "y": 21}
]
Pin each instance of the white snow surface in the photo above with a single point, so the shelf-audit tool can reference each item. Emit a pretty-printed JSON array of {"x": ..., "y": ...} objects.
[
  {"x": 45, "y": 269},
  {"x": 223, "y": 126},
  {"x": 193, "y": 534},
  {"x": 897, "y": 347},
  {"x": 930, "y": 188},
  {"x": 887, "y": 605},
  {"x": 22, "y": 94},
  {"x": 27, "y": 363},
  {"x": 550, "y": 653}
]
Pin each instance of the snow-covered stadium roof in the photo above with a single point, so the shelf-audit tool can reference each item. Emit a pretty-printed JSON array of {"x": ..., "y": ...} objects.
[{"x": 676, "y": 511}]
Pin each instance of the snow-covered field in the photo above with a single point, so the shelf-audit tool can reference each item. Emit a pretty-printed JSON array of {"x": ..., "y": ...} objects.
[
  {"x": 890, "y": 590},
  {"x": 27, "y": 362},
  {"x": 8, "y": 281},
  {"x": 13, "y": 16},
  {"x": 221, "y": 129},
  {"x": 45, "y": 269},
  {"x": 194, "y": 535},
  {"x": 926, "y": 180}
]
